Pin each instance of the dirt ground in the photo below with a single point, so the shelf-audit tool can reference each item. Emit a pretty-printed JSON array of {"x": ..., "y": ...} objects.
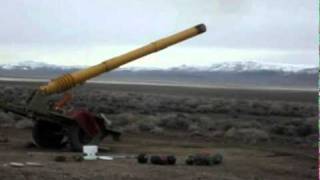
[
  {"x": 240, "y": 162},
  {"x": 262, "y": 134}
]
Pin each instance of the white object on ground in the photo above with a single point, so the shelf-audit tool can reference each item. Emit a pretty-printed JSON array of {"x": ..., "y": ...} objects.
[
  {"x": 124, "y": 156},
  {"x": 34, "y": 164},
  {"x": 16, "y": 164},
  {"x": 90, "y": 152},
  {"x": 105, "y": 157}
]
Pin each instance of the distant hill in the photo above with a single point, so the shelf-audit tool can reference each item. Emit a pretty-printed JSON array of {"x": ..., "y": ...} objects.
[{"x": 222, "y": 74}]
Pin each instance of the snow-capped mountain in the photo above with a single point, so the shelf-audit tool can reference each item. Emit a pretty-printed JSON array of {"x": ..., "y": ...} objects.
[
  {"x": 137, "y": 69},
  {"x": 243, "y": 66},
  {"x": 232, "y": 73},
  {"x": 255, "y": 66},
  {"x": 31, "y": 65}
]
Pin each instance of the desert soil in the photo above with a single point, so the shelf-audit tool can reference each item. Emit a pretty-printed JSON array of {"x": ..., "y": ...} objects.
[{"x": 240, "y": 162}]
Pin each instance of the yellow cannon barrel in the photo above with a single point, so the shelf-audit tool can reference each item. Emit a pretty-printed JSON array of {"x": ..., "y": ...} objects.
[{"x": 70, "y": 80}]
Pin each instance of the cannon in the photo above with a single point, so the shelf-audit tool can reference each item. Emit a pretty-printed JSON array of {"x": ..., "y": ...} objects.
[{"x": 54, "y": 127}]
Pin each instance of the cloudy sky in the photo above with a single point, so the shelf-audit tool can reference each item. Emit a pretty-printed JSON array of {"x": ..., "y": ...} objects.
[{"x": 86, "y": 32}]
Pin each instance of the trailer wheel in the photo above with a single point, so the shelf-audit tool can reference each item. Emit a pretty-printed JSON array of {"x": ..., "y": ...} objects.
[
  {"x": 78, "y": 137},
  {"x": 48, "y": 135}
]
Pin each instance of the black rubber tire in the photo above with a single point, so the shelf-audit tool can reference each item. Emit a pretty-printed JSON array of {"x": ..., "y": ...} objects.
[
  {"x": 78, "y": 138},
  {"x": 142, "y": 158},
  {"x": 48, "y": 135}
]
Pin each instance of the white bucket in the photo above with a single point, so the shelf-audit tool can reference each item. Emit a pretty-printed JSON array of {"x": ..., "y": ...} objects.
[{"x": 90, "y": 152}]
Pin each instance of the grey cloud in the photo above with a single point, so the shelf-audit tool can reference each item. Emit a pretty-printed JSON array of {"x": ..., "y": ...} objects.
[{"x": 281, "y": 24}]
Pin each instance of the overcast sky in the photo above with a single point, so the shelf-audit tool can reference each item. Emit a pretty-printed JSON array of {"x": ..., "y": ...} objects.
[{"x": 85, "y": 32}]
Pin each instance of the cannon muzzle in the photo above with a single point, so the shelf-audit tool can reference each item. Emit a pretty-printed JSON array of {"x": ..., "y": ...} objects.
[{"x": 70, "y": 80}]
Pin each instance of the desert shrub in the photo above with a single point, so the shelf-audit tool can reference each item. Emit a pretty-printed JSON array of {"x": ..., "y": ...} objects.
[
  {"x": 249, "y": 124},
  {"x": 118, "y": 122},
  {"x": 179, "y": 124},
  {"x": 193, "y": 127},
  {"x": 276, "y": 109},
  {"x": 123, "y": 119},
  {"x": 147, "y": 123},
  {"x": 6, "y": 120},
  {"x": 238, "y": 107},
  {"x": 16, "y": 117},
  {"x": 220, "y": 106},
  {"x": 227, "y": 126},
  {"x": 174, "y": 121},
  {"x": 145, "y": 126},
  {"x": 176, "y": 106},
  {"x": 304, "y": 130},
  {"x": 152, "y": 101},
  {"x": 295, "y": 122},
  {"x": 191, "y": 102},
  {"x": 313, "y": 122},
  {"x": 157, "y": 130},
  {"x": 235, "y": 112},
  {"x": 312, "y": 139},
  {"x": 217, "y": 134},
  {"x": 204, "y": 108},
  {"x": 292, "y": 109},
  {"x": 222, "y": 124},
  {"x": 282, "y": 129},
  {"x": 79, "y": 103},
  {"x": 247, "y": 135},
  {"x": 132, "y": 128},
  {"x": 241, "y": 102},
  {"x": 24, "y": 123},
  {"x": 134, "y": 103},
  {"x": 296, "y": 127},
  {"x": 205, "y": 123},
  {"x": 104, "y": 109},
  {"x": 259, "y": 108},
  {"x": 9, "y": 90},
  {"x": 278, "y": 129}
]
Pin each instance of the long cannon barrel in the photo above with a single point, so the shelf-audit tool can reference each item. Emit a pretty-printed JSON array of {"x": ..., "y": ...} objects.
[{"x": 70, "y": 80}]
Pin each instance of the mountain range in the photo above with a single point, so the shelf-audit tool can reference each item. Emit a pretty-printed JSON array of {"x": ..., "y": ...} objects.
[{"x": 244, "y": 73}]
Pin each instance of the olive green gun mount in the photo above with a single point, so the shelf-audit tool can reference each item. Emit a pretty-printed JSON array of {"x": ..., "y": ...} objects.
[{"x": 54, "y": 128}]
